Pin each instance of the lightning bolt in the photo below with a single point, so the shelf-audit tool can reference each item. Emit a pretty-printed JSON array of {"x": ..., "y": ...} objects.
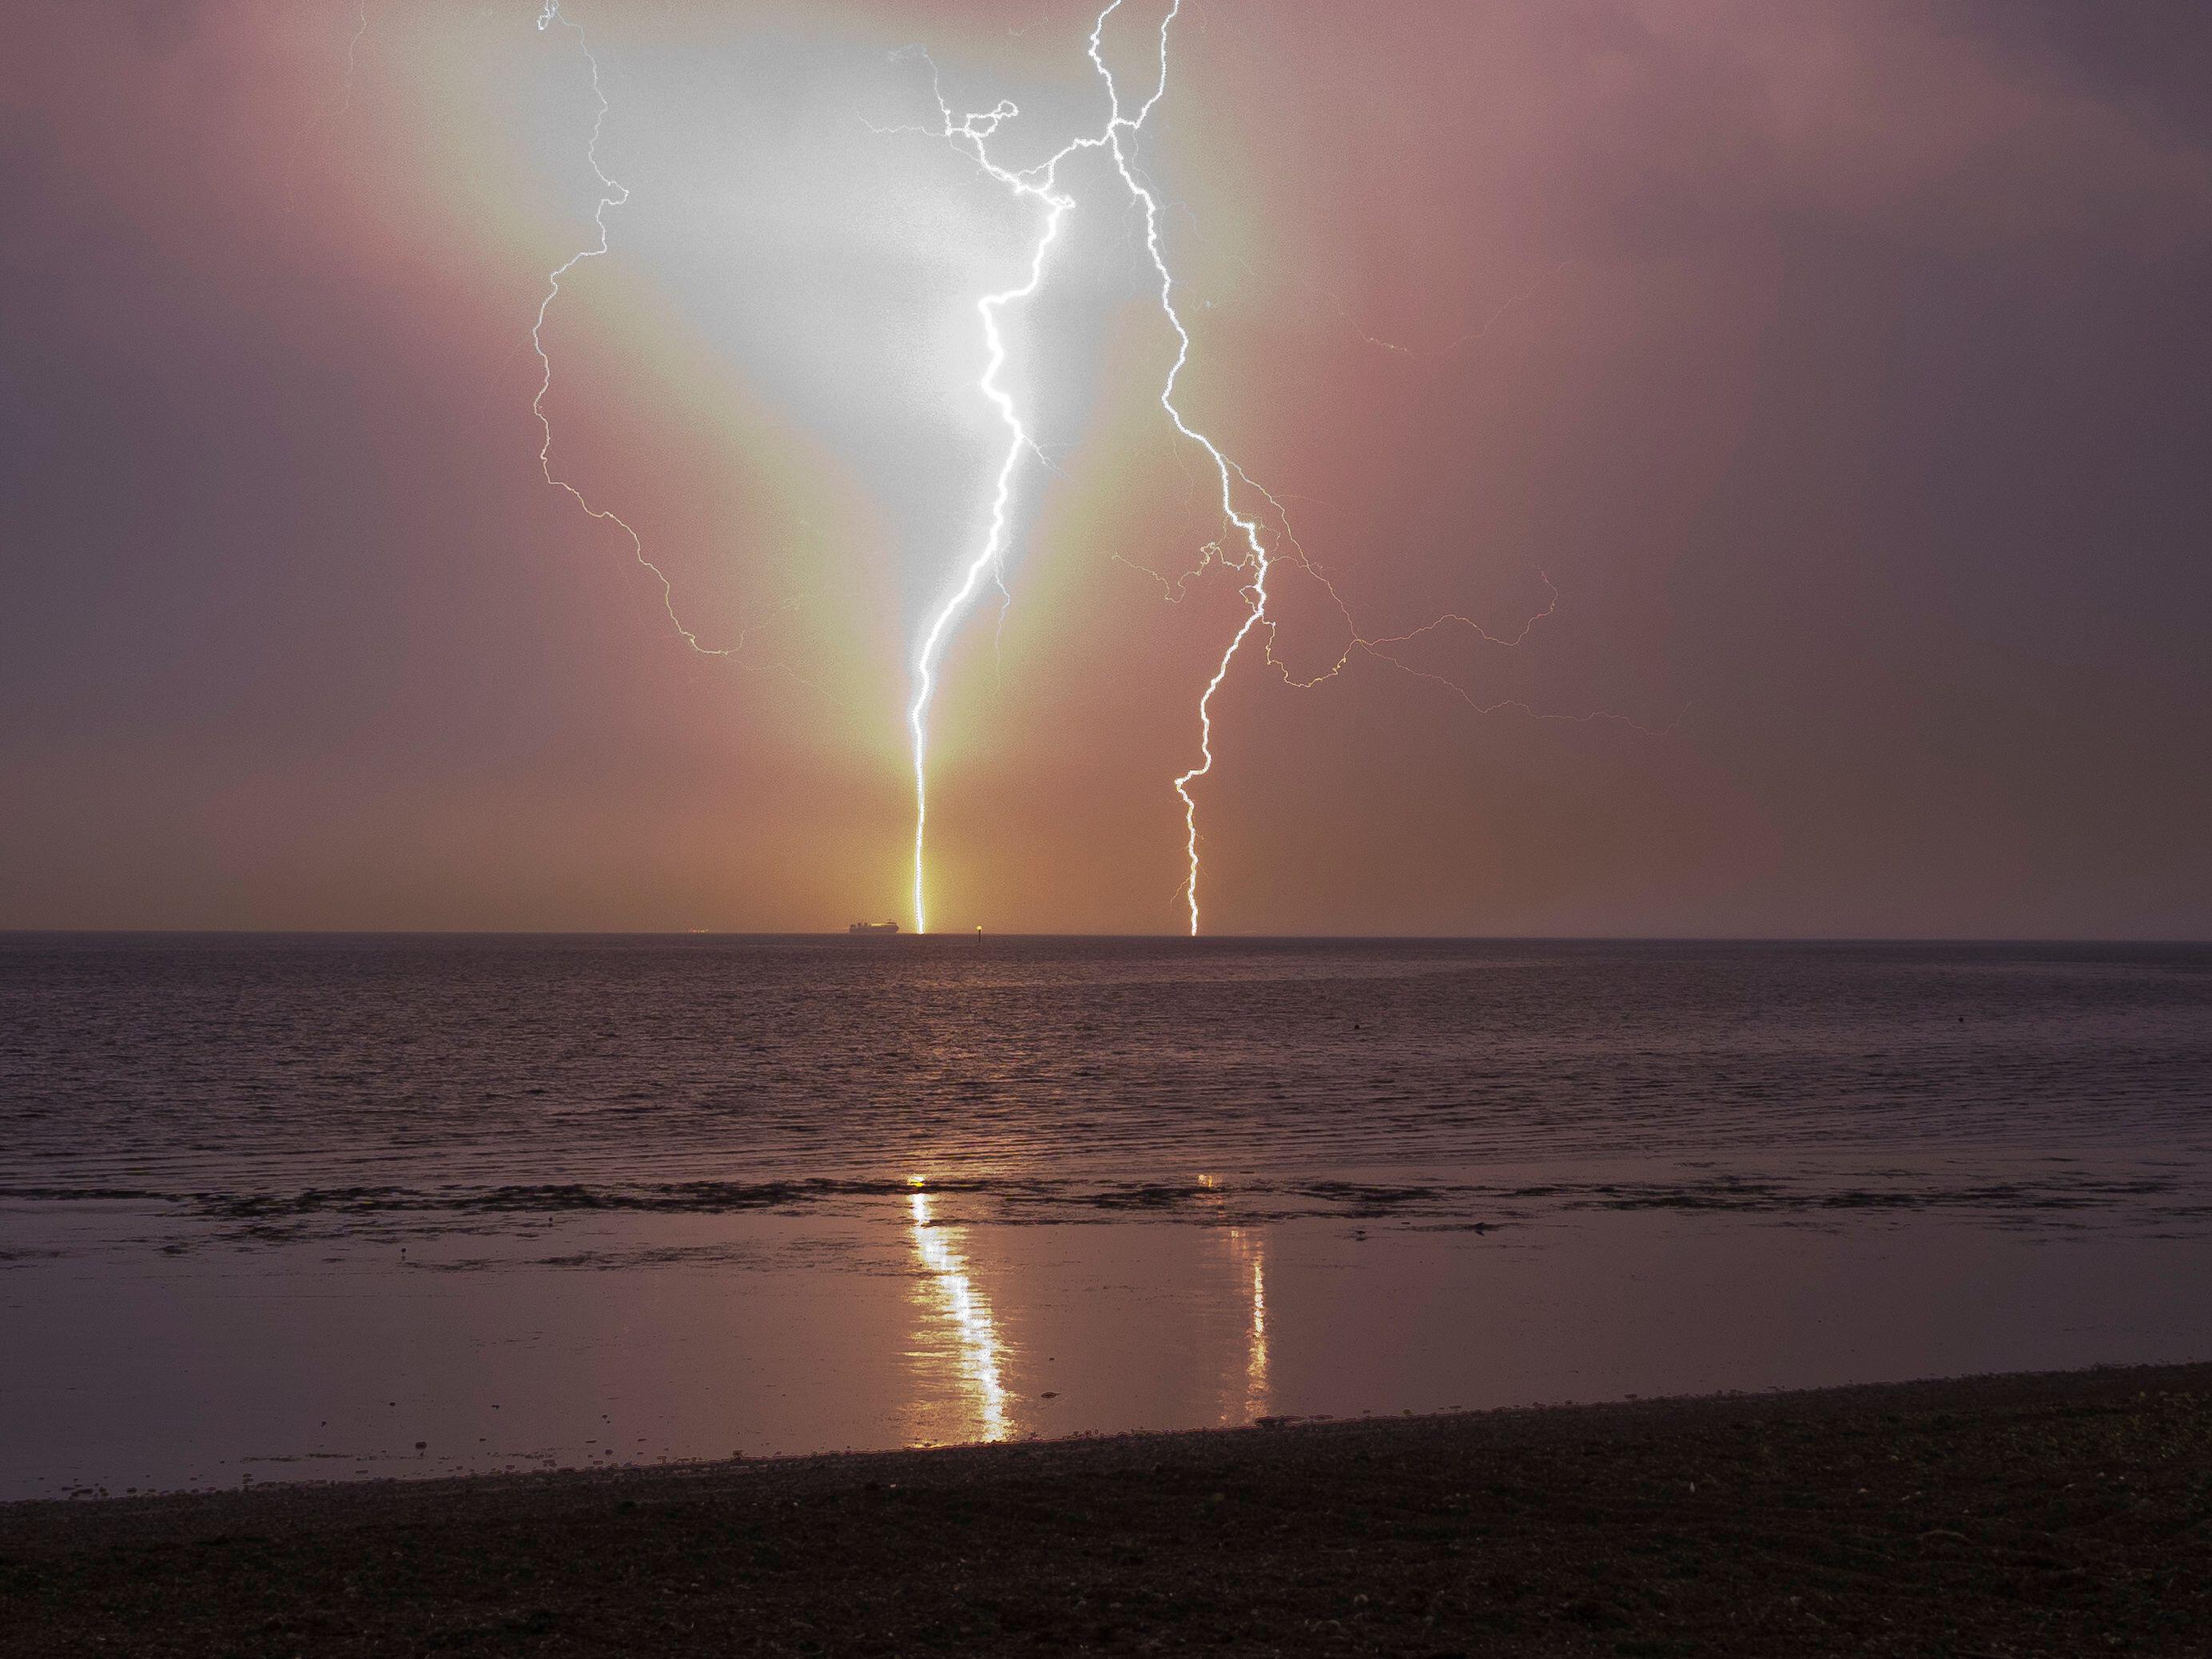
[
  {"x": 345, "y": 105},
  {"x": 1256, "y": 561},
  {"x": 1255, "y": 592},
  {"x": 353, "y": 55},
  {"x": 611, "y": 195},
  {"x": 973, "y": 132},
  {"x": 1472, "y": 337}
]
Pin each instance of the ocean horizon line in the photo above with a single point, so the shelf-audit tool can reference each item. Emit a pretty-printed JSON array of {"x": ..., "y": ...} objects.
[{"x": 968, "y": 936}]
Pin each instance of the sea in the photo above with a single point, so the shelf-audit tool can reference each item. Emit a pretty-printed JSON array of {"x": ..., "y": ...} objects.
[{"x": 314, "y": 1207}]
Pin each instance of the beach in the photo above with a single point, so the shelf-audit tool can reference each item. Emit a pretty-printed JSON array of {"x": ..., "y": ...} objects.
[{"x": 1996, "y": 1515}]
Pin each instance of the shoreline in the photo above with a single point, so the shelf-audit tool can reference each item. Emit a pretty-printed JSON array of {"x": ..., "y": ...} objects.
[{"x": 2035, "y": 1512}]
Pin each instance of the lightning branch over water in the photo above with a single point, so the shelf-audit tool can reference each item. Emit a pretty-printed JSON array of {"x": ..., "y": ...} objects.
[
  {"x": 1252, "y": 557},
  {"x": 611, "y": 195},
  {"x": 1247, "y": 528},
  {"x": 973, "y": 133}
]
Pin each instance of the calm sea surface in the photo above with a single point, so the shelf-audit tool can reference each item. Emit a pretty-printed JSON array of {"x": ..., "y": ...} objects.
[{"x": 286, "y": 1207}]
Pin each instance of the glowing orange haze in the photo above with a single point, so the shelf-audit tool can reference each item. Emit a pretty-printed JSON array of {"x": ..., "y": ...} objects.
[{"x": 1841, "y": 365}]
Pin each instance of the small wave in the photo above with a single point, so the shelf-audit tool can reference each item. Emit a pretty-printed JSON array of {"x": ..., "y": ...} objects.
[{"x": 271, "y": 1217}]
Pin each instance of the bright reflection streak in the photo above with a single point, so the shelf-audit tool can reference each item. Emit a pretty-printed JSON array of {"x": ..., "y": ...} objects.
[
  {"x": 968, "y": 1317},
  {"x": 1247, "y": 1249},
  {"x": 1248, "y": 1253}
]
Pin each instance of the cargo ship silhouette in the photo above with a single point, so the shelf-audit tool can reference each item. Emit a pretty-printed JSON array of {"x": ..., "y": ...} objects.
[{"x": 873, "y": 928}]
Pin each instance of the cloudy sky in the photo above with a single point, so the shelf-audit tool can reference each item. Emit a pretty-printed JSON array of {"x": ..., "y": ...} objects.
[{"x": 1834, "y": 378}]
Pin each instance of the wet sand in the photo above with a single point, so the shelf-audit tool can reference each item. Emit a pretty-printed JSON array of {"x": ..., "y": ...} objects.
[{"x": 2053, "y": 1514}]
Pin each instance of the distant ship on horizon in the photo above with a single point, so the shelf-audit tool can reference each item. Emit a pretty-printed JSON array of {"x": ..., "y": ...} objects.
[{"x": 873, "y": 928}]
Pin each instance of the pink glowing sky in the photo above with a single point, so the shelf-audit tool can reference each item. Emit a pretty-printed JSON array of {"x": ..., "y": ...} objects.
[{"x": 1843, "y": 366}]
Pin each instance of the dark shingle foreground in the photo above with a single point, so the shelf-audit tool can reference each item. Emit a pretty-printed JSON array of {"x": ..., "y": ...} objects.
[{"x": 1996, "y": 1517}]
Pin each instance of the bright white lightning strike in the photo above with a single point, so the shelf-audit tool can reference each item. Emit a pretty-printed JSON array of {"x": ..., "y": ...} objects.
[
  {"x": 975, "y": 131},
  {"x": 1256, "y": 593}
]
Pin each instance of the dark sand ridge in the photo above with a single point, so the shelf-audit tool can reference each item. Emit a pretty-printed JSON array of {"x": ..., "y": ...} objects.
[{"x": 1992, "y": 1517}]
